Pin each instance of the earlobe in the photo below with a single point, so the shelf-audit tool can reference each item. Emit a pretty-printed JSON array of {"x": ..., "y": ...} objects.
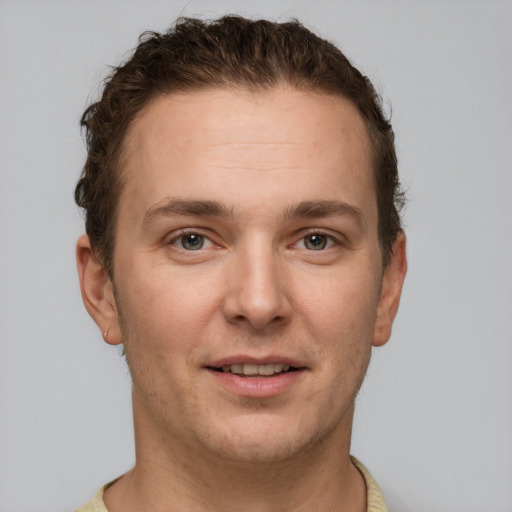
[
  {"x": 392, "y": 283},
  {"x": 97, "y": 292}
]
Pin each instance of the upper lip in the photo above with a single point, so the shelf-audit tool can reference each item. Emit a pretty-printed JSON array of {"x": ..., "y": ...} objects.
[{"x": 245, "y": 359}]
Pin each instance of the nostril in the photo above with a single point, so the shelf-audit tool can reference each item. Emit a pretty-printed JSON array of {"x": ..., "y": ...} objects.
[{"x": 260, "y": 305}]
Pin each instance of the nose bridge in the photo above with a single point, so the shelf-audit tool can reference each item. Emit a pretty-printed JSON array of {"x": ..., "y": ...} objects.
[{"x": 258, "y": 288}]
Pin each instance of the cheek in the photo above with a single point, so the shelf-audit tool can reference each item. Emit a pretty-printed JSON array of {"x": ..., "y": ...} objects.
[
  {"x": 341, "y": 320},
  {"x": 343, "y": 309},
  {"x": 163, "y": 317},
  {"x": 161, "y": 299}
]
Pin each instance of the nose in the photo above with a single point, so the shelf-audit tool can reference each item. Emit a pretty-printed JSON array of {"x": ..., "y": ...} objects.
[{"x": 257, "y": 293}]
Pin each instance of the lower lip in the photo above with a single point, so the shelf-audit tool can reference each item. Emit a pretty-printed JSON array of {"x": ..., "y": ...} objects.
[{"x": 258, "y": 387}]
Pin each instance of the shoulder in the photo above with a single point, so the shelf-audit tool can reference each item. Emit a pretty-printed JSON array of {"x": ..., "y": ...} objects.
[
  {"x": 374, "y": 498},
  {"x": 96, "y": 504}
]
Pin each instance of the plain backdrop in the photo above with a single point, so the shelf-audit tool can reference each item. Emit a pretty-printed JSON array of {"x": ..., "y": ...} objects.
[{"x": 434, "y": 418}]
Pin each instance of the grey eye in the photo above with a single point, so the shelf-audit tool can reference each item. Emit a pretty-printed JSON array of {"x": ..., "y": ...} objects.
[
  {"x": 315, "y": 242},
  {"x": 192, "y": 241}
]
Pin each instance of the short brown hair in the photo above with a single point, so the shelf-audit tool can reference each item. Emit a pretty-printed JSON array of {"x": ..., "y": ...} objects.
[{"x": 230, "y": 51}]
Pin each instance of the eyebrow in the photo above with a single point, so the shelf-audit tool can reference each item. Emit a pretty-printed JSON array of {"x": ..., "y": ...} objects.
[
  {"x": 184, "y": 207},
  {"x": 319, "y": 209},
  {"x": 202, "y": 208}
]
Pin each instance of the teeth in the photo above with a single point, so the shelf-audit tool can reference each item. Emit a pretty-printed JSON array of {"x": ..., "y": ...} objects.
[
  {"x": 255, "y": 369},
  {"x": 236, "y": 368},
  {"x": 250, "y": 369},
  {"x": 266, "y": 369}
]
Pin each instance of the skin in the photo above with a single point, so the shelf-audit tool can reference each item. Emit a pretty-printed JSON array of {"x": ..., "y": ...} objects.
[{"x": 281, "y": 166}]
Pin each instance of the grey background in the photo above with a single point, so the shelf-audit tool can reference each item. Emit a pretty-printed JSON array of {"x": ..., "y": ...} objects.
[{"x": 434, "y": 418}]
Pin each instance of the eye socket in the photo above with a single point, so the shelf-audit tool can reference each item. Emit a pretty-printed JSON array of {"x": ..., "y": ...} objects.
[
  {"x": 315, "y": 241},
  {"x": 191, "y": 241}
]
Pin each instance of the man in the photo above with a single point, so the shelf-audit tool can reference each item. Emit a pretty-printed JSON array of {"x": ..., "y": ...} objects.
[{"x": 244, "y": 244}]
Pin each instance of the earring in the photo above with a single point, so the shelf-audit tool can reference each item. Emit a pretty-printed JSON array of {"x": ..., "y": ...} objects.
[{"x": 105, "y": 334}]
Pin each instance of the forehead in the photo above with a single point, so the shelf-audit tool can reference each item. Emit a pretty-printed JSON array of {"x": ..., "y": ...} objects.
[
  {"x": 275, "y": 116},
  {"x": 254, "y": 141}
]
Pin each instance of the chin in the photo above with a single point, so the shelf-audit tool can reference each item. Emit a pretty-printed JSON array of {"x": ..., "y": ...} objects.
[{"x": 264, "y": 441}]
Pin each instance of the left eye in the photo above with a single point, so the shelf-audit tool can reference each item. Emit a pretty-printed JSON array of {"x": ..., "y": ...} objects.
[{"x": 316, "y": 241}]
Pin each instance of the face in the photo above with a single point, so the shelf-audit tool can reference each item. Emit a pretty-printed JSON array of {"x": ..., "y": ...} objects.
[{"x": 248, "y": 287}]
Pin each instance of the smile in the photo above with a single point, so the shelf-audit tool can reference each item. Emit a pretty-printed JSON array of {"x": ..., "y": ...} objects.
[
  {"x": 256, "y": 370},
  {"x": 251, "y": 377}
]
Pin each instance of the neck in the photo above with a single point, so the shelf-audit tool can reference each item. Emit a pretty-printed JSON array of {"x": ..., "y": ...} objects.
[{"x": 171, "y": 477}]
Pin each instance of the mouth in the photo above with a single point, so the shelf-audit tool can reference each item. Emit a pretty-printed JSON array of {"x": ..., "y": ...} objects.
[
  {"x": 256, "y": 370},
  {"x": 258, "y": 378}
]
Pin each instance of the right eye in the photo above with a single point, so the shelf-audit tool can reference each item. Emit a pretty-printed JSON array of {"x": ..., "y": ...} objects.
[{"x": 191, "y": 241}]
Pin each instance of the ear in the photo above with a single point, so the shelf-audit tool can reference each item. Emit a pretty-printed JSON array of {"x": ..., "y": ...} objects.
[
  {"x": 97, "y": 292},
  {"x": 392, "y": 282}
]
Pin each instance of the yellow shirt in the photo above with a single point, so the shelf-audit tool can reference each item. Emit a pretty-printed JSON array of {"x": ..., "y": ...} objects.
[{"x": 374, "y": 497}]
